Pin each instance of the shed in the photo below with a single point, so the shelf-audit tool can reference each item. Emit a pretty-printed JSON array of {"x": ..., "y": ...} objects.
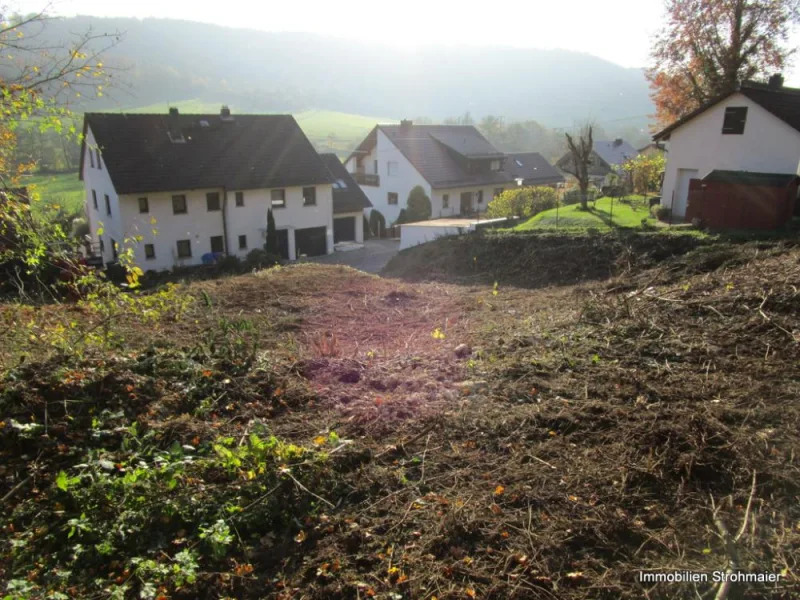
[{"x": 743, "y": 199}]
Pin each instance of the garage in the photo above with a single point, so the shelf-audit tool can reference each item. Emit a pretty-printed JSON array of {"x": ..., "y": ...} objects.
[
  {"x": 311, "y": 241},
  {"x": 344, "y": 230}
]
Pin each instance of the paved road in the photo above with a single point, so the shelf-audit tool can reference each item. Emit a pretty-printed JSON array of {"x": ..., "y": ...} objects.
[{"x": 371, "y": 258}]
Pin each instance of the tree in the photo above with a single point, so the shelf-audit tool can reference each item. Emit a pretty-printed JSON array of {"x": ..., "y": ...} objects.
[
  {"x": 271, "y": 244},
  {"x": 644, "y": 172},
  {"x": 418, "y": 205},
  {"x": 377, "y": 223},
  {"x": 708, "y": 46},
  {"x": 579, "y": 160},
  {"x": 522, "y": 202}
]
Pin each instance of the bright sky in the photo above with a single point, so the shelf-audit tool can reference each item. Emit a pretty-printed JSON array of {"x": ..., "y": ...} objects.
[{"x": 617, "y": 30}]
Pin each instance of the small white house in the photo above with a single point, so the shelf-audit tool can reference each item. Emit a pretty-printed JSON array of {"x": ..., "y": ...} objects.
[
  {"x": 181, "y": 189},
  {"x": 755, "y": 127},
  {"x": 460, "y": 171}
]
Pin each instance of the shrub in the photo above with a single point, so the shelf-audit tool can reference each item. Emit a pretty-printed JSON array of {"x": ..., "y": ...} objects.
[
  {"x": 259, "y": 259},
  {"x": 230, "y": 263},
  {"x": 574, "y": 196},
  {"x": 418, "y": 206},
  {"x": 522, "y": 202},
  {"x": 271, "y": 244},
  {"x": 660, "y": 212},
  {"x": 377, "y": 223},
  {"x": 403, "y": 218}
]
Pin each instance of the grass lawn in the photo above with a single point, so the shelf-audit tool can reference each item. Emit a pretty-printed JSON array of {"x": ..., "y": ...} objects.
[
  {"x": 627, "y": 212},
  {"x": 64, "y": 189}
]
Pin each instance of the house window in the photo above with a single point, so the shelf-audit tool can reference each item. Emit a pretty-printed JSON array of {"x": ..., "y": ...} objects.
[
  {"x": 242, "y": 242},
  {"x": 392, "y": 198},
  {"x": 480, "y": 196},
  {"x": 217, "y": 244},
  {"x": 375, "y": 166},
  {"x": 445, "y": 200},
  {"x": 108, "y": 205},
  {"x": 212, "y": 201},
  {"x": 179, "y": 205},
  {"x": 184, "y": 248},
  {"x": 239, "y": 198},
  {"x": 278, "y": 198},
  {"x": 735, "y": 117},
  {"x": 94, "y": 199},
  {"x": 497, "y": 192},
  {"x": 309, "y": 196},
  {"x": 149, "y": 251},
  {"x": 91, "y": 158},
  {"x": 99, "y": 164},
  {"x": 144, "y": 205},
  {"x": 391, "y": 167},
  {"x": 495, "y": 165}
]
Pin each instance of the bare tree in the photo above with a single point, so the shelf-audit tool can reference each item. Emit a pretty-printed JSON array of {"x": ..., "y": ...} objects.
[{"x": 580, "y": 159}]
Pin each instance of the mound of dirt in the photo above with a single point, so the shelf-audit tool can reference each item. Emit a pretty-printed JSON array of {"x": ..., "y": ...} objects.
[{"x": 535, "y": 260}]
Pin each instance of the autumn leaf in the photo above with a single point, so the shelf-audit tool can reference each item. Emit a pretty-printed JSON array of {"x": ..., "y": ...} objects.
[{"x": 498, "y": 491}]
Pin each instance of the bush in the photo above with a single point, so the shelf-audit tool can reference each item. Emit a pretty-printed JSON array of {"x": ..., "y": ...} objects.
[
  {"x": 574, "y": 196},
  {"x": 660, "y": 212},
  {"x": 366, "y": 229},
  {"x": 403, "y": 218},
  {"x": 377, "y": 223},
  {"x": 522, "y": 202},
  {"x": 230, "y": 263},
  {"x": 418, "y": 206},
  {"x": 259, "y": 259}
]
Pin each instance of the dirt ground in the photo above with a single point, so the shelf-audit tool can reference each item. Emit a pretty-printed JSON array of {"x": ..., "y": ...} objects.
[{"x": 555, "y": 442}]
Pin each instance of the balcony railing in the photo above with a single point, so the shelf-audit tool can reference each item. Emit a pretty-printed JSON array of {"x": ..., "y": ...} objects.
[{"x": 367, "y": 179}]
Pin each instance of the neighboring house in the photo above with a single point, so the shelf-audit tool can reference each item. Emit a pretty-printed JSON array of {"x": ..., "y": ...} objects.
[
  {"x": 653, "y": 149},
  {"x": 195, "y": 186},
  {"x": 349, "y": 203},
  {"x": 457, "y": 167},
  {"x": 532, "y": 169},
  {"x": 607, "y": 159},
  {"x": 755, "y": 127}
]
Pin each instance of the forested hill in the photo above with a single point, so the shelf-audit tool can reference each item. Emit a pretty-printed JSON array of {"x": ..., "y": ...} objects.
[{"x": 172, "y": 61}]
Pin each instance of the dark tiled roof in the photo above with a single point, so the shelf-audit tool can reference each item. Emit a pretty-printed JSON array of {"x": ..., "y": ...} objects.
[
  {"x": 248, "y": 152},
  {"x": 782, "y": 102},
  {"x": 752, "y": 178},
  {"x": 532, "y": 168},
  {"x": 425, "y": 147},
  {"x": 615, "y": 153},
  {"x": 350, "y": 198}
]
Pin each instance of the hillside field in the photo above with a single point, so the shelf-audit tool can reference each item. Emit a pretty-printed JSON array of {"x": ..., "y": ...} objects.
[
  {"x": 64, "y": 189},
  {"x": 547, "y": 419}
]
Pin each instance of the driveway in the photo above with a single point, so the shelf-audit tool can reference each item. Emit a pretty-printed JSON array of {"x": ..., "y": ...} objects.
[{"x": 371, "y": 258}]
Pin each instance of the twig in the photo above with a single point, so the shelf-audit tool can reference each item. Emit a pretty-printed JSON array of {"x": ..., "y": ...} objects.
[
  {"x": 747, "y": 510},
  {"x": 306, "y": 490},
  {"x": 15, "y": 489},
  {"x": 544, "y": 462}
]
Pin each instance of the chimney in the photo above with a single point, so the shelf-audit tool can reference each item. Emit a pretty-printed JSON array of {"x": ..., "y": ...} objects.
[
  {"x": 406, "y": 123},
  {"x": 225, "y": 113},
  {"x": 617, "y": 142},
  {"x": 776, "y": 81},
  {"x": 174, "y": 126}
]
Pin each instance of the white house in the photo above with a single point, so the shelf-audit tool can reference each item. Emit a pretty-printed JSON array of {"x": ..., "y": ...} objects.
[
  {"x": 457, "y": 167},
  {"x": 755, "y": 127},
  {"x": 180, "y": 189},
  {"x": 349, "y": 203}
]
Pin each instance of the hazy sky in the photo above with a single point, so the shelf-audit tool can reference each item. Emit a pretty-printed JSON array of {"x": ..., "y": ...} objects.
[{"x": 617, "y": 30}]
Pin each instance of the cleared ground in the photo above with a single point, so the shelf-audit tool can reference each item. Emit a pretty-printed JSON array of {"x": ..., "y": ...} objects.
[{"x": 491, "y": 441}]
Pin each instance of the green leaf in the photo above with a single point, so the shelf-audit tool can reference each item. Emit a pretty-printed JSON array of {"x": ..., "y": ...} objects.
[{"x": 62, "y": 481}]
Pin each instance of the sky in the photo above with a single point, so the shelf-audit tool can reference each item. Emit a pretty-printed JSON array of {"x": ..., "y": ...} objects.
[{"x": 617, "y": 30}]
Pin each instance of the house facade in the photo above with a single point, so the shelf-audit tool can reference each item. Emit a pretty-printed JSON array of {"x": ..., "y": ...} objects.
[
  {"x": 181, "y": 190},
  {"x": 457, "y": 167},
  {"x": 349, "y": 203},
  {"x": 755, "y": 128}
]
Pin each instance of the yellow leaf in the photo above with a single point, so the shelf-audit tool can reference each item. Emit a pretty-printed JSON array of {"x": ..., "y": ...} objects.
[
  {"x": 498, "y": 491},
  {"x": 320, "y": 440}
]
